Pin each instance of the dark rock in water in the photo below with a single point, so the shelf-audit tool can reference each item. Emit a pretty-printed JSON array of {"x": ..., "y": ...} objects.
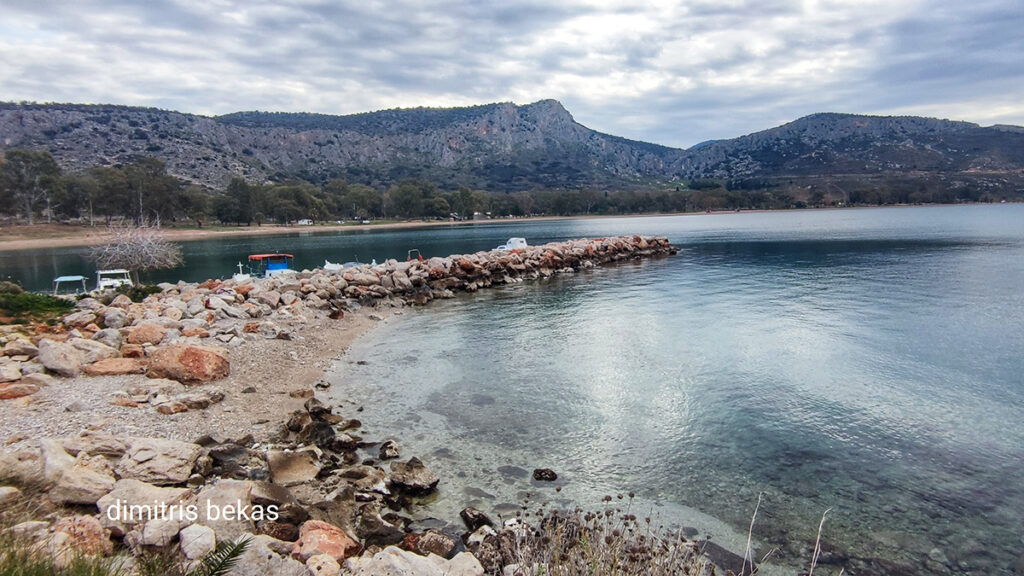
[
  {"x": 474, "y": 519},
  {"x": 285, "y": 531},
  {"x": 373, "y": 530},
  {"x": 319, "y": 433},
  {"x": 402, "y": 522},
  {"x": 349, "y": 424},
  {"x": 481, "y": 400},
  {"x": 316, "y": 409},
  {"x": 388, "y": 450},
  {"x": 477, "y": 493},
  {"x": 424, "y": 524},
  {"x": 513, "y": 471},
  {"x": 344, "y": 443},
  {"x": 434, "y": 542},
  {"x": 690, "y": 531},
  {"x": 725, "y": 559},
  {"x": 413, "y": 476},
  {"x": 544, "y": 475}
]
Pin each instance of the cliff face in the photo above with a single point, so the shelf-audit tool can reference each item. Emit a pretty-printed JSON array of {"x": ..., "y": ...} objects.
[{"x": 494, "y": 146}]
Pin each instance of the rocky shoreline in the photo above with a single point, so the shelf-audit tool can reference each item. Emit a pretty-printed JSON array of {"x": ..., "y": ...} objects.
[{"x": 176, "y": 403}]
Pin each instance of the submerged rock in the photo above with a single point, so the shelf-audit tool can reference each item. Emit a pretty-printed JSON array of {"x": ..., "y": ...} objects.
[{"x": 413, "y": 476}]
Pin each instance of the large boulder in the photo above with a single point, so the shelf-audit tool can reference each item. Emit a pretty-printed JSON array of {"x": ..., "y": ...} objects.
[
  {"x": 20, "y": 347},
  {"x": 189, "y": 364},
  {"x": 22, "y": 466},
  {"x": 76, "y": 536},
  {"x": 114, "y": 318},
  {"x": 95, "y": 443},
  {"x": 317, "y": 537},
  {"x": 127, "y": 505},
  {"x": 158, "y": 461},
  {"x": 413, "y": 476},
  {"x": 261, "y": 559},
  {"x": 291, "y": 468},
  {"x": 79, "y": 319},
  {"x": 86, "y": 481},
  {"x": 393, "y": 561},
  {"x": 93, "y": 351},
  {"x": 109, "y": 336},
  {"x": 148, "y": 333},
  {"x": 60, "y": 358},
  {"x": 197, "y": 541},
  {"x": 227, "y": 508}
]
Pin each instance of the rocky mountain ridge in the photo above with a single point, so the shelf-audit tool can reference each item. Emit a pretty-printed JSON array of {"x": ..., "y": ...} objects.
[{"x": 501, "y": 147}]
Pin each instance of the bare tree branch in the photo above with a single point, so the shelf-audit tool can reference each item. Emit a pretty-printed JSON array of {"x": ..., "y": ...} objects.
[{"x": 137, "y": 248}]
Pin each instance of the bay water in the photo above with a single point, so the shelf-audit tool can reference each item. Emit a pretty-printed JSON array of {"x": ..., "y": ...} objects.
[{"x": 867, "y": 362}]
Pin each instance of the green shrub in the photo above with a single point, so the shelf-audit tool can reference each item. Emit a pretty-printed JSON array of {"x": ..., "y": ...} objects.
[
  {"x": 138, "y": 292},
  {"x": 24, "y": 307}
]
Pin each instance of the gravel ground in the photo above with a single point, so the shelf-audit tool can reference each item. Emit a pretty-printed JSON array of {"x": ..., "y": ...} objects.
[{"x": 274, "y": 368}]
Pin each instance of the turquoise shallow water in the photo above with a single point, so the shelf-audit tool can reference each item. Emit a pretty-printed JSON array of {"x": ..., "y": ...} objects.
[{"x": 866, "y": 361}]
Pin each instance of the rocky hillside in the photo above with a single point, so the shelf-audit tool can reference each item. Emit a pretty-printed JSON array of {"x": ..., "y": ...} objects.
[
  {"x": 494, "y": 146},
  {"x": 501, "y": 147},
  {"x": 852, "y": 144}
]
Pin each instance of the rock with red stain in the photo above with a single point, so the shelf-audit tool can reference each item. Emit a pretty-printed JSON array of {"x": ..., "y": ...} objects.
[
  {"x": 189, "y": 364},
  {"x": 147, "y": 334},
  {"x": 12, "y": 390},
  {"x": 84, "y": 535},
  {"x": 115, "y": 367},
  {"x": 316, "y": 537},
  {"x": 133, "y": 351}
]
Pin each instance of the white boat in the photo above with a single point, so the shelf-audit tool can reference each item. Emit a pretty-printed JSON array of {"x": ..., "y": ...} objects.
[
  {"x": 513, "y": 244},
  {"x": 113, "y": 278},
  {"x": 332, "y": 266}
]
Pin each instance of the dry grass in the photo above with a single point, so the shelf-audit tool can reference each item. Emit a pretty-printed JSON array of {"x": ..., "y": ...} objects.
[{"x": 610, "y": 542}]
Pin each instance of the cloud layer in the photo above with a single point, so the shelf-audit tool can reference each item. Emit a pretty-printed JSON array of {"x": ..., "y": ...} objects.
[{"x": 671, "y": 72}]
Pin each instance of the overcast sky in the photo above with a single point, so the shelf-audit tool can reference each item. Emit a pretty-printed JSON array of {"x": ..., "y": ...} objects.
[{"x": 675, "y": 73}]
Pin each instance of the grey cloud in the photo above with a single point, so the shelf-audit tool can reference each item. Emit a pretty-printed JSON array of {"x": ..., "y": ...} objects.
[{"x": 342, "y": 57}]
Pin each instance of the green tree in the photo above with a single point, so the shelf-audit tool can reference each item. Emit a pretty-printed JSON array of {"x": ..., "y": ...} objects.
[
  {"x": 112, "y": 196},
  {"x": 361, "y": 201},
  {"x": 409, "y": 198},
  {"x": 240, "y": 203},
  {"x": 30, "y": 179},
  {"x": 196, "y": 205},
  {"x": 153, "y": 192}
]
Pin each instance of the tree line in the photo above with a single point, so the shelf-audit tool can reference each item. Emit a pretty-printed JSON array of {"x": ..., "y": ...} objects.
[{"x": 33, "y": 186}]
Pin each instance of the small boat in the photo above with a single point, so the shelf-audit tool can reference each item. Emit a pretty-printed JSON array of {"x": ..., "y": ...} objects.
[
  {"x": 68, "y": 280},
  {"x": 414, "y": 253},
  {"x": 269, "y": 265},
  {"x": 513, "y": 244},
  {"x": 332, "y": 266},
  {"x": 113, "y": 278}
]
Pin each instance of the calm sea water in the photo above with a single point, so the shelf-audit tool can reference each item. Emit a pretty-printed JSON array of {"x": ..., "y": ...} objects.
[
  {"x": 867, "y": 361},
  {"x": 864, "y": 361}
]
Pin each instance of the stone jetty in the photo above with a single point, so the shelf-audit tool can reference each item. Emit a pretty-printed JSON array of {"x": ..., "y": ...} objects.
[{"x": 340, "y": 500}]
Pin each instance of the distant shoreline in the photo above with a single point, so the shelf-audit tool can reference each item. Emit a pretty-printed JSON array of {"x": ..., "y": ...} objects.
[{"x": 13, "y": 238}]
